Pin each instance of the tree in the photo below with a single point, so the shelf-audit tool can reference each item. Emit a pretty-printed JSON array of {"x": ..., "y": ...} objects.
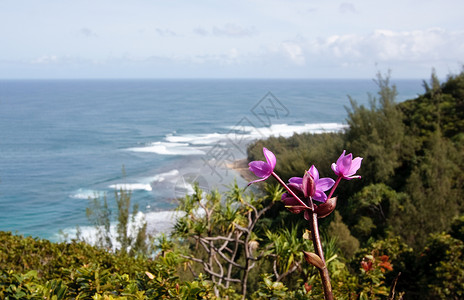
[
  {"x": 378, "y": 135},
  {"x": 131, "y": 229}
]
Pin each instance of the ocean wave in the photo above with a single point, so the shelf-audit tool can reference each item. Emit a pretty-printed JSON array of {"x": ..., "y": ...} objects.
[
  {"x": 85, "y": 194},
  {"x": 199, "y": 144},
  {"x": 169, "y": 148},
  {"x": 146, "y": 183},
  {"x": 132, "y": 186},
  {"x": 171, "y": 176},
  {"x": 286, "y": 130},
  {"x": 157, "y": 223},
  {"x": 196, "y": 139}
]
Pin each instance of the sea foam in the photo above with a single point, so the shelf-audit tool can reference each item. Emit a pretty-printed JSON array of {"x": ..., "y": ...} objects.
[
  {"x": 169, "y": 148},
  {"x": 285, "y": 130},
  {"x": 85, "y": 194},
  {"x": 132, "y": 186},
  {"x": 159, "y": 222},
  {"x": 199, "y": 144}
]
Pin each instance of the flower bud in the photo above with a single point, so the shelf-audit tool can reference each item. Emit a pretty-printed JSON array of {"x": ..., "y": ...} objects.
[
  {"x": 326, "y": 208},
  {"x": 314, "y": 259},
  {"x": 308, "y": 185}
]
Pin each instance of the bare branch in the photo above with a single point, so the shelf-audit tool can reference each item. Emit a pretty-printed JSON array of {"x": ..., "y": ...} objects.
[
  {"x": 289, "y": 271},
  {"x": 274, "y": 268},
  {"x": 219, "y": 276},
  {"x": 242, "y": 228}
]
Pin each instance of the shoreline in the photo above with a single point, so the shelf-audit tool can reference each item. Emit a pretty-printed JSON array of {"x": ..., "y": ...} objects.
[{"x": 240, "y": 166}]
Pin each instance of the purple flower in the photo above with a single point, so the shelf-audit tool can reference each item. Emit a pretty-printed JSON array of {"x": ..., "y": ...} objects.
[
  {"x": 308, "y": 186},
  {"x": 322, "y": 185},
  {"x": 346, "y": 166},
  {"x": 263, "y": 169}
]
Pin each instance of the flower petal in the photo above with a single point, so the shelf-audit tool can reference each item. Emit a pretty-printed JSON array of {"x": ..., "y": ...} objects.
[
  {"x": 335, "y": 169},
  {"x": 351, "y": 177},
  {"x": 324, "y": 184},
  {"x": 296, "y": 188},
  {"x": 270, "y": 157},
  {"x": 260, "y": 168},
  {"x": 345, "y": 164},
  {"x": 320, "y": 196},
  {"x": 314, "y": 173},
  {"x": 355, "y": 165},
  {"x": 257, "y": 180},
  {"x": 297, "y": 180},
  {"x": 341, "y": 157}
]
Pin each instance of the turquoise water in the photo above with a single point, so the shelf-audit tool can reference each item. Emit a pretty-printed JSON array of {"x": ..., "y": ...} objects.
[{"x": 62, "y": 141}]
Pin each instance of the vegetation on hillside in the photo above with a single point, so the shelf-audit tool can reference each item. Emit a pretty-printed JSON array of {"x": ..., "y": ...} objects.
[{"x": 412, "y": 173}]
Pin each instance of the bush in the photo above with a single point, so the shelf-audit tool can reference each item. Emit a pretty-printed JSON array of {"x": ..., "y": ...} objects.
[{"x": 34, "y": 268}]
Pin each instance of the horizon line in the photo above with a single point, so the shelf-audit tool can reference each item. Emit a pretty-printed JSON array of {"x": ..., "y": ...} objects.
[{"x": 203, "y": 78}]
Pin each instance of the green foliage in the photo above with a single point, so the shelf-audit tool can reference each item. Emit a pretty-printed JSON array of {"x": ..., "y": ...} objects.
[
  {"x": 286, "y": 246},
  {"x": 347, "y": 243},
  {"x": 434, "y": 189},
  {"x": 378, "y": 134},
  {"x": 25, "y": 286},
  {"x": 413, "y": 166},
  {"x": 131, "y": 233},
  {"x": 269, "y": 289},
  {"x": 376, "y": 209},
  {"x": 38, "y": 269},
  {"x": 440, "y": 107},
  {"x": 411, "y": 186},
  {"x": 457, "y": 228},
  {"x": 221, "y": 234},
  {"x": 99, "y": 214},
  {"x": 372, "y": 275},
  {"x": 442, "y": 266},
  {"x": 364, "y": 227}
]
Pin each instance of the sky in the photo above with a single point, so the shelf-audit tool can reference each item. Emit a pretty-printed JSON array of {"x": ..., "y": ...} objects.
[{"x": 230, "y": 39}]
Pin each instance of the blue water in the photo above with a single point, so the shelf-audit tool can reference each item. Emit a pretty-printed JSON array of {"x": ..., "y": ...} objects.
[{"x": 63, "y": 141}]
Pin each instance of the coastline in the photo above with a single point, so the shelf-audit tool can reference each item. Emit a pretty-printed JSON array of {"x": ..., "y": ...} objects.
[{"x": 241, "y": 168}]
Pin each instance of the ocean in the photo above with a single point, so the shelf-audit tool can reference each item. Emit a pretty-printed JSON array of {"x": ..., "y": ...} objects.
[{"x": 64, "y": 142}]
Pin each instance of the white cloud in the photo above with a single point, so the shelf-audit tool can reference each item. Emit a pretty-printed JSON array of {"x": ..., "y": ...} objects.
[
  {"x": 233, "y": 30},
  {"x": 87, "y": 32},
  {"x": 45, "y": 59},
  {"x": 387, "y": 45},
  {"x": 407, "y": 52},
  {"x": 346, "y": 7},
  {"x": 165, "y": 32},
  {"x": 201, "y": 31},
  {"x": 294, "y": 52},
  {"x": 57, "y": 60},
  {"x": 227, "y": 30}
]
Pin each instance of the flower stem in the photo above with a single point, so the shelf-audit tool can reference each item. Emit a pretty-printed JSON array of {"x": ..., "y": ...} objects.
[
  {"x": 290, "y": 191},
  {"x": 334, "y": 187},
  {"x": 324, "y": 272}
]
